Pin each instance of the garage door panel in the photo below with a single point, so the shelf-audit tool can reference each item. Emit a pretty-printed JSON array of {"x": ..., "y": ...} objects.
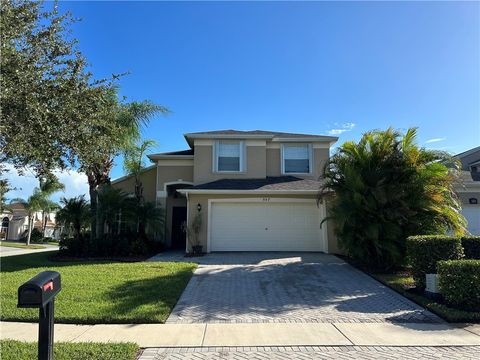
[{"x": 265, "y": 227}]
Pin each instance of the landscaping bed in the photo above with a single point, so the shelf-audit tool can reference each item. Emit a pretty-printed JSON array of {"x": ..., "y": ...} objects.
[
  {"x": 98, "y": 291},
  {"x": 20, "y": 245},
  {"x": 18, "y": 350},
  {"x": 402, "y": 282}
]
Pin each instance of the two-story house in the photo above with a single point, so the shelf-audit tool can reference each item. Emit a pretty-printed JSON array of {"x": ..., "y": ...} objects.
[
  {"x": 14, "y": 224},
  {"x": 254, "y": 190}
]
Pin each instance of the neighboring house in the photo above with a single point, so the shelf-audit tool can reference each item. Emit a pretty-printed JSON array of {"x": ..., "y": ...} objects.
[
  {"x": 15, "y": 222},
  {"x": 255, "y": 190},
  {"x": 469, "y": 191}
]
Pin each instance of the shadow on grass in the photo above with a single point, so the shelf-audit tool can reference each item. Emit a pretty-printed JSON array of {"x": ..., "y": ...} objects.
[
  {"x": 40, "y": 260},
  {"x": 149, "y": 300}
]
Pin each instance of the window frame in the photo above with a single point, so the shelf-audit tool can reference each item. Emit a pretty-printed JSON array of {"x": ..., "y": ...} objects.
[
  {"x": 241, "y": 145},
  {"x": 310, "y": 159}
]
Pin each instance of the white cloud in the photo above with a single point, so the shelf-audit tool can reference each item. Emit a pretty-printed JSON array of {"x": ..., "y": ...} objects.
[
  {"x": 434, "y": 140},
  {"x": 343, "y": 128},
  {"x": 75, "y": 183}
]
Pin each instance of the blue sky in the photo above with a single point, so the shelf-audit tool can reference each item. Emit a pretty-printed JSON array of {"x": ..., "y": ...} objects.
[{"x": 310, "y": 67}]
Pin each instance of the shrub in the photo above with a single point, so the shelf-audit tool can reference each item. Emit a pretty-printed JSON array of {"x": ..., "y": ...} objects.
[
  {"x": 75, "y": 246},
  {"x": 138, "y": 247},
  {"x": 386, "y": 189},
  {"x": 459, "y": 282},
  {"x": 36, "y": 236},
  {"x": 471, "y": 247},
  {"x": 425, "y": 251}
]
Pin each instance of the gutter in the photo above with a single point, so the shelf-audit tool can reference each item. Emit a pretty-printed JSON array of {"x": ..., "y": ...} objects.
[{"x": 248, "y": 192}]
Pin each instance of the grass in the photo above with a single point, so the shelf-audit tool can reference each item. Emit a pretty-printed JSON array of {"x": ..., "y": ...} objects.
[
  {"x": 404, "y": 284},
  {"x": 20, "y": 245},
  {"x": 97, "y": 291},
  {"x": 17, "y": 350}
]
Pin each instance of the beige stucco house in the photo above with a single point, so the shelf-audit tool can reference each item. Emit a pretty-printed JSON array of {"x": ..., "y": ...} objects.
[
  {"x": 15, "y": 223},
  {"x": 254, "y": 191}
]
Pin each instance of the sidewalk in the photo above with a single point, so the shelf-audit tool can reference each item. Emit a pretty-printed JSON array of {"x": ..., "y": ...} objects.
[
  {"x": 257, "y": 334},
  {"x": 11, "y": 251}
]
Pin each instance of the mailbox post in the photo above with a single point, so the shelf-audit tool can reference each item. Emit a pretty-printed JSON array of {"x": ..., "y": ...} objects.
[{"x": 39, "y": 292}]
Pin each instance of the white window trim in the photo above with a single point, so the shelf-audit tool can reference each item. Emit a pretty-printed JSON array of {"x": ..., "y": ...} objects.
[
  {"x": 242, "y": 157},
  {"x": 310, "y": 159}
]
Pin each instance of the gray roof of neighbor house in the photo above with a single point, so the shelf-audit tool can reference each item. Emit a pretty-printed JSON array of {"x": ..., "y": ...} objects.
[
  {"x": 270, "y": 183},
  {"x": 469, "y": 159},
  {"x": 259, "y": 134},
  {"x": 468, "y": 152}
]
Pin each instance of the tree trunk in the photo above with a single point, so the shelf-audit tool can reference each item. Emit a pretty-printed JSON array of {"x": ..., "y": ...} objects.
[
  {"x": 93, "y": 204},
  {"x": 30, "y": 226},
  {"x": 44, "y": 223},
  {"x": 97, "y": 176}
]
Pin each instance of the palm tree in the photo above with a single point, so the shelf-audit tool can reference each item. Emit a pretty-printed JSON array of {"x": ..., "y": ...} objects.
[
  {"x": 74, "y": 214},
  {"x": 385, "y": 189},
  {"x": 48, "y": 185},
  {"x": 133, "y": 164},
  {"x": 125, "y": 121},
  {"x": 149, "y": 218},
  {"x": 32, "y": 205},
  {"x": 112, "y": 204}
]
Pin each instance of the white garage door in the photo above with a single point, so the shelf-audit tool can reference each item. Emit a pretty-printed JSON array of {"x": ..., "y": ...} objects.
[
  {"x": 472, "y": 215},
  {"x": 265, "y": 226}
]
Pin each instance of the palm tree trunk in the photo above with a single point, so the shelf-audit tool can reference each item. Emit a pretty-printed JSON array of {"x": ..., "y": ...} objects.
[
  {"x": 92, "y": 189},
  {"x": 44, "y": 223},
  {"x": 30, "y": 225}
]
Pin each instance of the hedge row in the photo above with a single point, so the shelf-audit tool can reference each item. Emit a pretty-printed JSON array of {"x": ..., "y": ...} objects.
[
  {"x": 459, "y": 282},
  {"x": 424, "y": 252},
  {"x": 471, "y": 247}
]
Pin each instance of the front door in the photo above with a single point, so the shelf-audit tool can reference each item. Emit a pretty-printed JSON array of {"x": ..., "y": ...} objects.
[{"x": 179, "y": 217}]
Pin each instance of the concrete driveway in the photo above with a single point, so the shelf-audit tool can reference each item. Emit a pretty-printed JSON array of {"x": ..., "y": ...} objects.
[{"x": 288, "y": 287}]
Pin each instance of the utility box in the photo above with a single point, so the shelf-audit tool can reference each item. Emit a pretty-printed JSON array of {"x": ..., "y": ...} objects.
[{"x": 431, "y": 286}]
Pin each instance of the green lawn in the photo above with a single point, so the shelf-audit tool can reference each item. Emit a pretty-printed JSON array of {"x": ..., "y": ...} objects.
[
  {"x": 404, "y": 284},
  {"x": 17, "y": 350},
  {"x": 20, "y": 245},
  {"x": 98, "y": 292}
]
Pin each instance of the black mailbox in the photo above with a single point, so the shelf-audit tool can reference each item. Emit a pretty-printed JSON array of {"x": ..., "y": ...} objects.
[{"x": 39, "y": 290}]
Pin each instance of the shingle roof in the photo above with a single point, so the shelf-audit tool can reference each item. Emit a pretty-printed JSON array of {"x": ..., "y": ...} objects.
[
  {"x": 269, "y": 183},
  {"x": 252, "y": 132},
  {"x": 181, "y": 152},
  {"x": 261, "y": 134}
]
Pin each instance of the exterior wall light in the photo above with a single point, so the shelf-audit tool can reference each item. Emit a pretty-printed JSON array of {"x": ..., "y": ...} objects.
[{"x": 199, "y": 207}]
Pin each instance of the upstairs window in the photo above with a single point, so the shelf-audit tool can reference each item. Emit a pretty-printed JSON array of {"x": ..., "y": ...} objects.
[
  {"x": 229, "y": 156},
  {"x": 296, "y": 159}
]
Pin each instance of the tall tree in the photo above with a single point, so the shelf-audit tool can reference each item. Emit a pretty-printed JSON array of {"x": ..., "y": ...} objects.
[
  {"x": 123, "y": 122},
  {"x": 385, "y": 188},
  {"x": 47, "y": 97}
]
